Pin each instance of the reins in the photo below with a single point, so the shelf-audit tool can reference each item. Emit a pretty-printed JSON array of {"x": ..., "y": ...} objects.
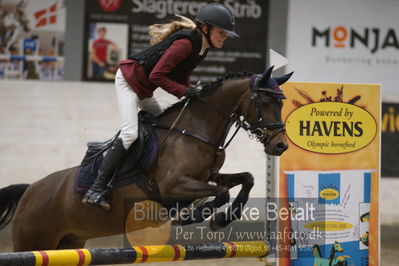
[{"x": 258, "y": 131}]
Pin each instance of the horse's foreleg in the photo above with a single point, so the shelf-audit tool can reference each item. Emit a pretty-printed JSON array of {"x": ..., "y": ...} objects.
[
  {"x": 205, "y": 210},
  {"x": 234, "y": 212},
  {"x": 187, "y": 188}
]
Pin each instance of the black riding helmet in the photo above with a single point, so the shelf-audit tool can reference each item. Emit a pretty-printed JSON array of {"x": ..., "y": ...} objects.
[{"x": 218, "y": 15}]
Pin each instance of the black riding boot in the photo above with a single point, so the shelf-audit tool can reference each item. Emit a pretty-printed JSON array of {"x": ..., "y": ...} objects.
[{"x": 96, "y": 193}]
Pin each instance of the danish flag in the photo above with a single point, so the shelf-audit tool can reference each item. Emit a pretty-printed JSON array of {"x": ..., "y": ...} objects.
[{"x": 46, "y": 16}]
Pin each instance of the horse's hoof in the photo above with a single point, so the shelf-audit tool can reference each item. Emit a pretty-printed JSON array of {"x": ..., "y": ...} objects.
[{"x": 217, "y": 221}]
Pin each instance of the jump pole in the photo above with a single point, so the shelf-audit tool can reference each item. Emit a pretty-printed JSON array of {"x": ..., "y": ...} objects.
[{"x": 136, "y": 254}]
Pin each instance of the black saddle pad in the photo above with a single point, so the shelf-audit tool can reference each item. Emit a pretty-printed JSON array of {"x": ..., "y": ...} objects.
[{"x": 141, "y": 155}]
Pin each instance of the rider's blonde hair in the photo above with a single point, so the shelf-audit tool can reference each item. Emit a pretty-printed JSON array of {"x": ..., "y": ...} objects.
[{"x": 159, "y": 32}]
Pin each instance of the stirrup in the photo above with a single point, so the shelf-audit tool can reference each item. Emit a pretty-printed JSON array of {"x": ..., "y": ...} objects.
[
  {"x": 101, "y": 205},
  {"x": 96, "y": 201},
  {"x": 100, "y": 195}
]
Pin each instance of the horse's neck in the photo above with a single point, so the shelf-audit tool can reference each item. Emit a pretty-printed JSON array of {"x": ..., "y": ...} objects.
[
  {"x": 202, "y": 118},
  {"x": 227, "y": 96},
  {"x": 224, "y": 98}
]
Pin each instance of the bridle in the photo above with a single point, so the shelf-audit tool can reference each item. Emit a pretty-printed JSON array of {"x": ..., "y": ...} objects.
[{"x": 258, "y": 131}]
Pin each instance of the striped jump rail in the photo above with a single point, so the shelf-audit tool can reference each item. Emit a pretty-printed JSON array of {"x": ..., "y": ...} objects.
[{"x": 136, "y": 254}]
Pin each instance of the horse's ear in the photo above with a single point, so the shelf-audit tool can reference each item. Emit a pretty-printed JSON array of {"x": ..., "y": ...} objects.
[
  {"x": 283, "y": 79},
  {"x": 264, "y": 78}
]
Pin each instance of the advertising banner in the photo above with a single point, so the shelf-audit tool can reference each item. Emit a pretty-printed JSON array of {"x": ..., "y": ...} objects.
[
  {"x": 32, "y": 39},
  {"x": 353, "y": 41},
  {"x": 332, "y": 168},
  {"x": 123, "y": 26},
  {"x": 390, "y": 140}
]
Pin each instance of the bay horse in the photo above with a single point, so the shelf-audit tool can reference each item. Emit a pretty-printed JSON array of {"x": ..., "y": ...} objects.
[{"x": 48, "y": 214}]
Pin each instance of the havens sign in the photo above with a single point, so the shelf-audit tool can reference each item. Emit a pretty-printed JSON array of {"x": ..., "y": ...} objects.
[
  {"x": 329, "y": 194},
  {"x": 331, "y": 127}
]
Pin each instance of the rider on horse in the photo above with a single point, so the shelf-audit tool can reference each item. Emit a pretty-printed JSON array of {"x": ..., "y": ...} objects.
[{"x": 177, "y": 48}]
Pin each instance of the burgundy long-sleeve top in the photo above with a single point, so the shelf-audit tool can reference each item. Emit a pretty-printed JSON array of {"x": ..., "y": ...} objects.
[{"x": 144, "y": 85}]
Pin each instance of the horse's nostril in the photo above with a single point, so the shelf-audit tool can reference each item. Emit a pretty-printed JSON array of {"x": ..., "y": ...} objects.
[{"x": 282, "y": 146}]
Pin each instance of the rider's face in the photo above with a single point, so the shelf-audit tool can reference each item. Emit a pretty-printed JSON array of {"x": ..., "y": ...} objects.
[
  {"x": 101, "y": 33},
  {"x": 218, "y": 36}
]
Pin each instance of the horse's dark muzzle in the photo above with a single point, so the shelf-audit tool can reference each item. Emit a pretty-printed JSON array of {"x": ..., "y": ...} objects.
[
  {"x": 277, "y": 149},
  {"x": 276, "y": 144},
  {"x": 281, "y": 147}
]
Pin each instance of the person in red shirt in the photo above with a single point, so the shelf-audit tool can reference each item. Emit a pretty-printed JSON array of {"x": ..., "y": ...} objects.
[
  {"x": 99, "y": 53},
  {"x": 177, "y": 48}
]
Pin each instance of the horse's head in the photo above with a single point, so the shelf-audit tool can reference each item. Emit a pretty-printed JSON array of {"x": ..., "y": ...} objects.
[{"x": 262, "y": 110}]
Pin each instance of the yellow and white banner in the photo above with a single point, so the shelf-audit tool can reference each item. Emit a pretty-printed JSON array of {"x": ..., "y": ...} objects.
[{"x": 331, "y": 169}]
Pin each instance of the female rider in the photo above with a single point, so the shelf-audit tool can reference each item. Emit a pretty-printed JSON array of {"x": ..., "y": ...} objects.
[{"x": 177, "y": 48}]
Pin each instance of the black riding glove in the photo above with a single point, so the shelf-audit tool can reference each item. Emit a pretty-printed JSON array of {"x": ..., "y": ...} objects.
[{"x": 191, "y": 92}]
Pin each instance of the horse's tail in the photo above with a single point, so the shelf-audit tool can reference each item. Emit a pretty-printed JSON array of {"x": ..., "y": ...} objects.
[{"x": 9, "y": 198}]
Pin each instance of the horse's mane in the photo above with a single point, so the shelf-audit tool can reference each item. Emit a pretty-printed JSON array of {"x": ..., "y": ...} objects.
[{"x": 207, "y": 88}]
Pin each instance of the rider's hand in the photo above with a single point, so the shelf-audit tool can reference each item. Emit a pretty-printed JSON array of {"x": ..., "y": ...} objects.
[{"x": 191, "y": 92}]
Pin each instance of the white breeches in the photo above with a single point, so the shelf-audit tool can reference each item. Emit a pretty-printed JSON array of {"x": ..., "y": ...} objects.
[{"x": 129, "y": 103}]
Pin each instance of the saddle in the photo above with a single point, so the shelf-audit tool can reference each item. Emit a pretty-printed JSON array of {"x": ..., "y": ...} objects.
[{"x": 133, "y": 168}]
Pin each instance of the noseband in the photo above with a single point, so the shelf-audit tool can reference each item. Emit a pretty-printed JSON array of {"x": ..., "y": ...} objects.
[{"x": 259, "y": 129}]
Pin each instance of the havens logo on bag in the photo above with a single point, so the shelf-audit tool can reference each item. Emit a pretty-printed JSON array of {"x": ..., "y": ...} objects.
[
  {"x": 331, "y": 127},
  {"x": 329, "y": 193}
]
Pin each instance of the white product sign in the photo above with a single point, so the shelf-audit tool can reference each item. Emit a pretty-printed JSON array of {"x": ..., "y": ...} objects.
[{"x": 353, "y": 41}]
